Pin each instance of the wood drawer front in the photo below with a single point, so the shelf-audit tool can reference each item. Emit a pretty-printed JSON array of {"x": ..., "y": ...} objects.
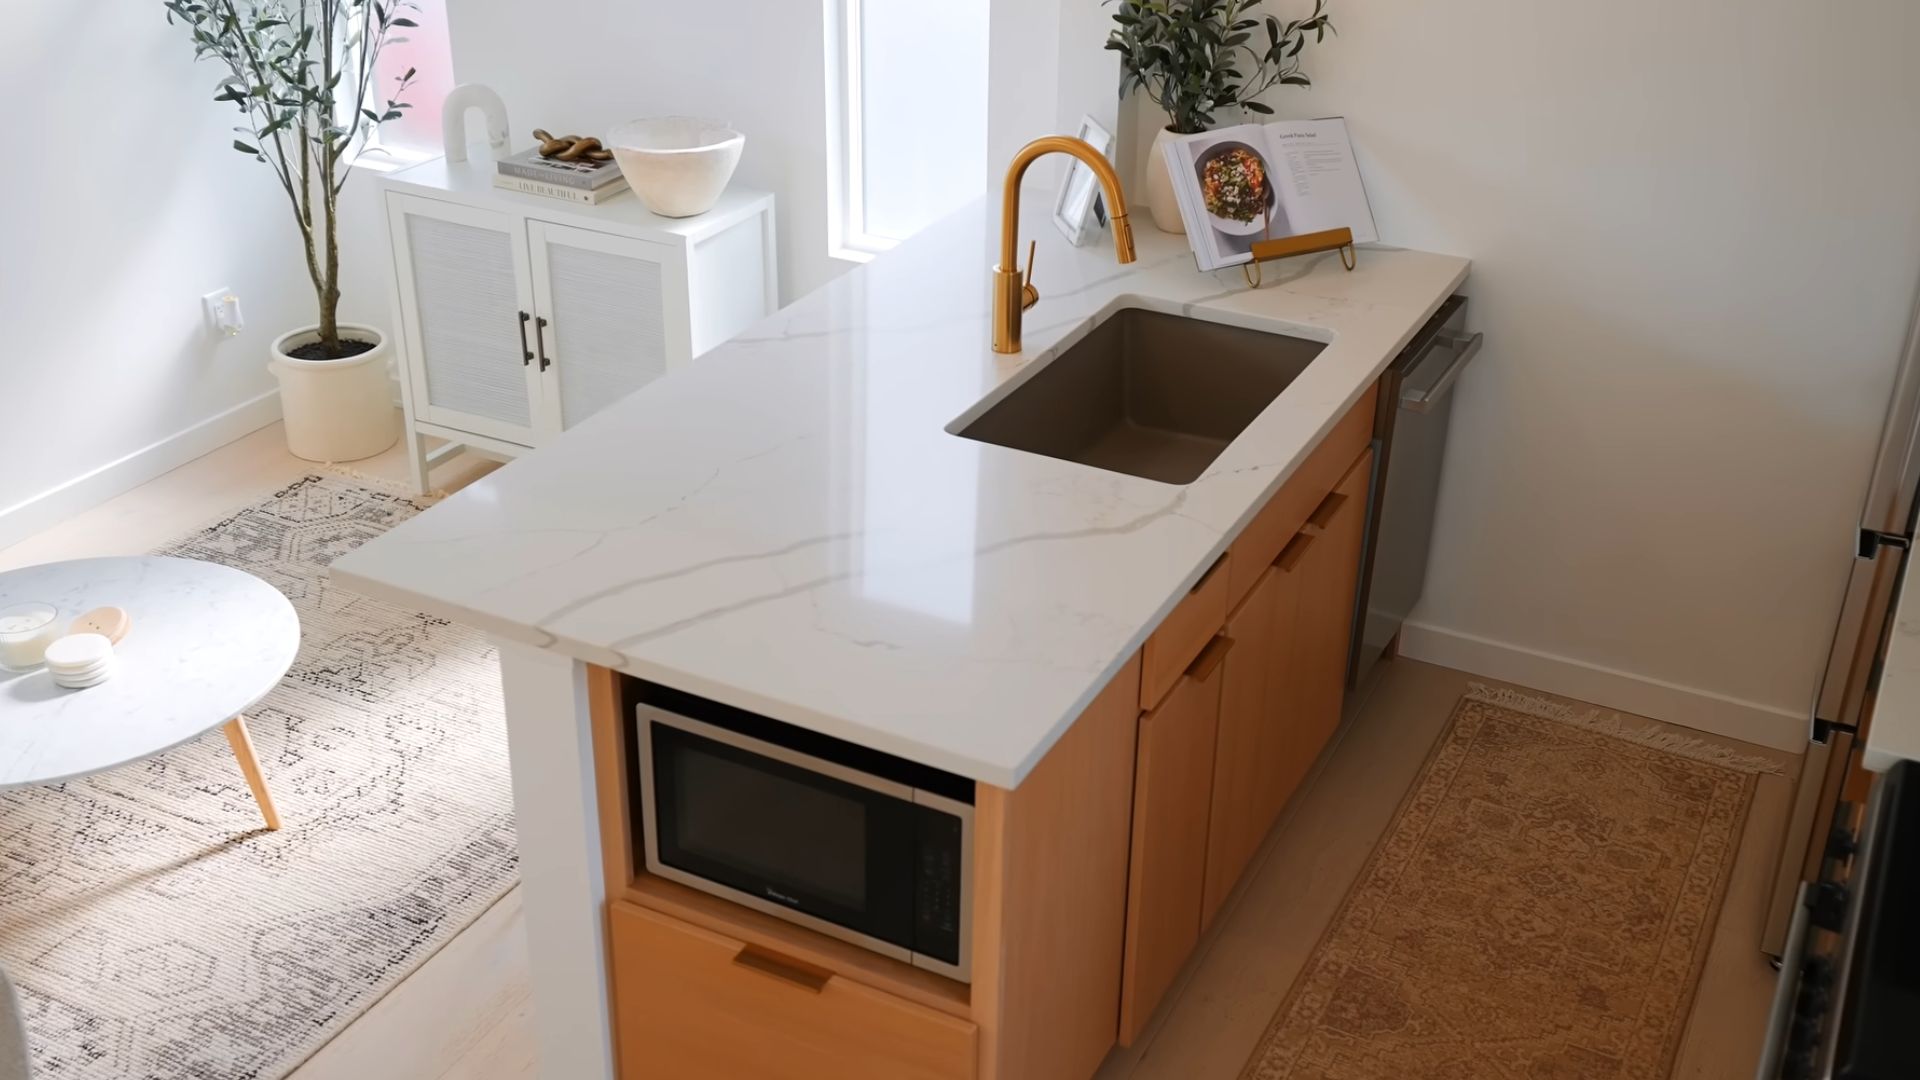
[
  {"x": 1270, "y": 530},
  {"x": 692, "y": 1003},
  {"x": 1185, "y": 631}
]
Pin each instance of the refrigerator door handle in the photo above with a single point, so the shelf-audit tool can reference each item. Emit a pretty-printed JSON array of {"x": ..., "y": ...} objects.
[{"x": 1864, "y": 616}]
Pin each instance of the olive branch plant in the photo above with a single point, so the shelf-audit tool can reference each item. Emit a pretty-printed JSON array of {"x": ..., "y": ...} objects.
[
  {"x": 303, "y": 74},
  {"x": 1188, "y": 55}
]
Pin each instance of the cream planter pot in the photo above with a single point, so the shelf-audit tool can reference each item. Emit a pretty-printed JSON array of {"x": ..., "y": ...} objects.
[
  {"x": 676, "y": 164},
  {"x": 336, "y": 410},
  {"x": 1160, "y": 197}
]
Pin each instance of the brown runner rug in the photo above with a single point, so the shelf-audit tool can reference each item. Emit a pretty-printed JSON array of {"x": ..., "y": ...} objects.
[{"x": 1539, "y": 908}]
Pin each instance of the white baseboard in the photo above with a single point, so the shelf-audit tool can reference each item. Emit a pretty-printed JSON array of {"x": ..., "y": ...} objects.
[
  {"x": 1702, "y": 710},
  {"x": 84, "y": 492}
]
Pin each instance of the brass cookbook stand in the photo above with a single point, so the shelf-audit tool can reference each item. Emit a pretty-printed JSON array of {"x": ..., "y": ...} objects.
[{"x": 1340, "y": 240}]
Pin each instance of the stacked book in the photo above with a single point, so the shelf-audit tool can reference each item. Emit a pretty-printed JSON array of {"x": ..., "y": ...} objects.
[{"x": 590, "y": 182}]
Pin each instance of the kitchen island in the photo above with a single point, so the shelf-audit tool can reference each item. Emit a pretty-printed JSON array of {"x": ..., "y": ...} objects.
[{"x": 788, "y": 526}]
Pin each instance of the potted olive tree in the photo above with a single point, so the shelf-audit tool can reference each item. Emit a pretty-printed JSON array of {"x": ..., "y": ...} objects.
[
  {"x": 1194, "y": 57},
  {"x": 302, "y": 73}
]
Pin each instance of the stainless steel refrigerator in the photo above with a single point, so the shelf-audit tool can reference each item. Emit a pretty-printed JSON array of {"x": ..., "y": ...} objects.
[{"x": 1844, "y": 709}]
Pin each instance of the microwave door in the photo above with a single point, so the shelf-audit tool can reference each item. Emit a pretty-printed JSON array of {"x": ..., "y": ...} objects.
[{"x": 804, "y": 839}]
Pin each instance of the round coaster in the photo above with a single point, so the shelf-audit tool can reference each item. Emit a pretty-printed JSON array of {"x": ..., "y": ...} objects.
[
  {"x": 78, "y": 651},
  {"x": 80, "y": 682}
]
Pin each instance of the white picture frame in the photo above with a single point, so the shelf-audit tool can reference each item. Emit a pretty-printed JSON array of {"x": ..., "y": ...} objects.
[{"x": 1074, "y": 206}]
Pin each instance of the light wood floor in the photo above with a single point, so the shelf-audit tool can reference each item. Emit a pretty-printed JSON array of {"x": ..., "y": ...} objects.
[{"x": 465, "y": 1014}]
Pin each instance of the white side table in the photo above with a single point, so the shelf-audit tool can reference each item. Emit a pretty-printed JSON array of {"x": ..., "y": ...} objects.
[{"x": 208, "y": 642}]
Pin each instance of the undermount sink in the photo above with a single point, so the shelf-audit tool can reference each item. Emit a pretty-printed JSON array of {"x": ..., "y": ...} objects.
[{"x": 1147, "y": 394}]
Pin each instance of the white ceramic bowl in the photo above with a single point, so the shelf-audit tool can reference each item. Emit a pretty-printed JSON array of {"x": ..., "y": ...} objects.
[{"x": 678, "y": 165}]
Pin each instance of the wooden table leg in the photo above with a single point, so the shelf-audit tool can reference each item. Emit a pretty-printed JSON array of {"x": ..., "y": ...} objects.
[{"x": 242, "y": 744}]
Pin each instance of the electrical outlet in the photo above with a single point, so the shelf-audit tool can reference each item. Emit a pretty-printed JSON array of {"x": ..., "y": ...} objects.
[{"x": 223, "y": 312}]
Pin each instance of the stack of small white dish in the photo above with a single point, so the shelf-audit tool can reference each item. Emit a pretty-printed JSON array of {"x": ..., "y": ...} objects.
[{"x": 78, "y": 661}]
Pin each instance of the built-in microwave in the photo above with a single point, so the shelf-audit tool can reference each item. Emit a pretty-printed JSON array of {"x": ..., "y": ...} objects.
[{"x": 861, "y": 845}]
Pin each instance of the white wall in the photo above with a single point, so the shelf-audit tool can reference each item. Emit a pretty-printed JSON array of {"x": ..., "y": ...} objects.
[
  {"x": 1696, "y": 236},
  {"x": 124, "y": 204},
  {"x": 757, "y": 64}
]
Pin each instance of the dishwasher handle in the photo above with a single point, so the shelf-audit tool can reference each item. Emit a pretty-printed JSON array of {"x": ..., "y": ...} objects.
[{"x": 1427, "y": 399}]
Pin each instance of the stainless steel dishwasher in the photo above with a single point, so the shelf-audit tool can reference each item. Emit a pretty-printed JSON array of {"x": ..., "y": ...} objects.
[{"x": 1408, "y": 443}]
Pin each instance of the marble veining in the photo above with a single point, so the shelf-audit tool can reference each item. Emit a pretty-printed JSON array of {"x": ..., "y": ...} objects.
[
  {"x": 207, "y": 643},
  {"x": 788, "y": 524}
]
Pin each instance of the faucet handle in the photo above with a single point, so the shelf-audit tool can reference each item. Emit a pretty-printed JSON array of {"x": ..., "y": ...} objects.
[{"x": 1029, "y": 295}]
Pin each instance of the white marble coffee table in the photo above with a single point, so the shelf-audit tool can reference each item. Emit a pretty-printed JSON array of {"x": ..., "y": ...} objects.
[{"x": 207, "y": 643}]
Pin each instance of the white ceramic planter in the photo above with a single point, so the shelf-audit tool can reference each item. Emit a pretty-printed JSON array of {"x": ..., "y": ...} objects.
[
  {"x": 678, "y": 165},
  {"x": 336, "y": 410},
  {"x": 1161, "y": 200}
]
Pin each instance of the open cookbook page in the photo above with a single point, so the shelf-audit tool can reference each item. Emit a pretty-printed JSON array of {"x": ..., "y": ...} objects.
[{"x": 1253, "y": 182}]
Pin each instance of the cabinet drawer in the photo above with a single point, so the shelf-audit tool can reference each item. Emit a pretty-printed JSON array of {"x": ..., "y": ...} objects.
[
  {"x": 690, "y": 1002},
  {"x": 1185, "y": 631},
  {"x": 1270, "y": 530}
]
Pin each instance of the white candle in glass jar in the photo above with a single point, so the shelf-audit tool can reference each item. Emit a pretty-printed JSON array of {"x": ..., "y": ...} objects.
[{"x": 25, "y": 632}]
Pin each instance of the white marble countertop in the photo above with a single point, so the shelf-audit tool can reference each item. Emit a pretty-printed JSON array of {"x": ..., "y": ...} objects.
[
  {"x": 1893, "y": 734},
  {"x": 785, "y": 525}
]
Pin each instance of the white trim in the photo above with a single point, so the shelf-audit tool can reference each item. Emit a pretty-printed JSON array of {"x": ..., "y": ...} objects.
[
  {"x": 847, "y": 235},
  {"x": 90, "y": 489},
  {"x": 1702, "y": 710}
]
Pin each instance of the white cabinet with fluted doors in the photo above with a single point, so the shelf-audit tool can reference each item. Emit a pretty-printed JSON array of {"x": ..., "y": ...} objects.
[{"x": 522, "y": 316}]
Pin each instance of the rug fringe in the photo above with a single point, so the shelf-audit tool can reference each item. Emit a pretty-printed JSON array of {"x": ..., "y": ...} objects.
[
  {"x": 382, "y": 483},
  {"x": 1610, "y": 723}
]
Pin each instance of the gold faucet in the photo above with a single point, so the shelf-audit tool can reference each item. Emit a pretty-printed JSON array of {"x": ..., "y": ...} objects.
[{"x": 1013, "y": 293}]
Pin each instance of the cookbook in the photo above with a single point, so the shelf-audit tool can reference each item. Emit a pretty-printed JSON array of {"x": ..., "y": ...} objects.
[{"x": 1255, "y": 182}]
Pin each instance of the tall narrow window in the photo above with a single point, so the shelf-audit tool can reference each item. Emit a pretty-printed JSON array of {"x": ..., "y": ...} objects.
[
  {"x": 426, "y": 51},
  {"x": 907, "y": 97}
]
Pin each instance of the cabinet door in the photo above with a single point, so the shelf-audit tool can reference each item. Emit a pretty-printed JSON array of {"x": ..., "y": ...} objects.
[
  {"x": 1323, "y": 563},
  {"x": 462, "y": 275},
  {"x": 611, "y": 317},
  {"x": 1173, "y": 778},
  {"x": 1252, "y": 774}
]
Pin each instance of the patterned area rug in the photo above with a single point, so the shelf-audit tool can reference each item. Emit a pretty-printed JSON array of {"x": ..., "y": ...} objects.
[
  {"x": 1539, "y": 908},
  {"x": 156, "y": 931}
]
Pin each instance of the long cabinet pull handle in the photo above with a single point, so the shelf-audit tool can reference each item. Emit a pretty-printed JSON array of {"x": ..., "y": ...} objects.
[
  {"x": 1210, "y": 658},
  {"x": 1322, "y": 515},
  {"x": 805, "y": 976},
  {"x": 1295, "y": 550},
  {"x": 540, "y": 341},
  {"x": 526, "y": 354}
]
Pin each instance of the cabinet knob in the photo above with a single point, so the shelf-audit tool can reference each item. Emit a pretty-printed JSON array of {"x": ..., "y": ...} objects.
[
  {"x": 526, "y": 354},
  {"x": 540, "y": 341}
]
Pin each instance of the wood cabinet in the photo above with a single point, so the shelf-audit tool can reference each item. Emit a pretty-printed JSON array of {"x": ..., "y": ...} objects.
[
  {"x": 1172, "y": 794},
  {"x": 518, "y": 317},
  {"x": 1093, "y": 881},
  {"x": 1327, "y": 571},
  {"x": 1183, "y": 633},
  {"x": 691, "y": 1002},
  {"x": 1283, "y": 688},
  {"x": 1250, "y": 781}
]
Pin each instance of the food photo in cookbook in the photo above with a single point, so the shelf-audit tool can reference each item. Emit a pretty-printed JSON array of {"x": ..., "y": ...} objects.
[
  {"x": 1237, "y": 194},
  {"x": 1241, "y": 185}
]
